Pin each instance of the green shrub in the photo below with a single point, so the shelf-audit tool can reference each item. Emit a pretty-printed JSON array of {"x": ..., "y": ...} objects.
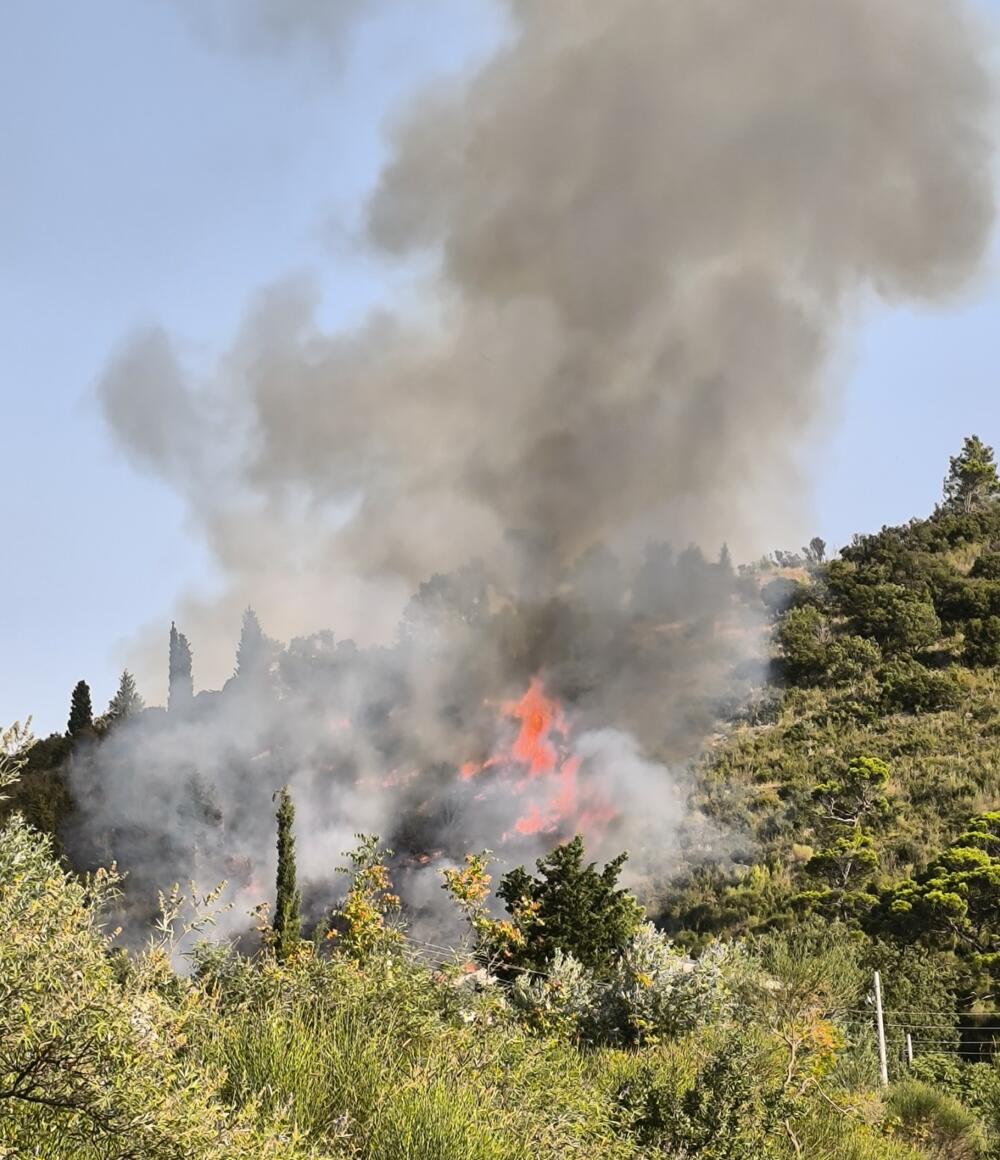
[
  {"x": 569, "y": 906},
  {"x": 804, "y": 637},
  {"x": 898, "y": 618},
  {"x": 910, "y": 687},
  {"x": 95, "y": 1062},
  {"x": 734, "y": 1108},
  {"x": 850, "y": 658},
  {"x": 935, "y": 1123},
  {"x": 986, "y": 566},
  {"x": 982, "y": 641},
  {"x": 976, "y": 1085},
  {"x": 653, "y": 992}
]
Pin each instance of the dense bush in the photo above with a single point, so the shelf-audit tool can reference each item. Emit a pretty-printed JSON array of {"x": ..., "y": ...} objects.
[
  {"x": 935, "y": 1123},
  {"x": 898, "y": 618},
  {"x": 733, "y": 1108},
  {"x": 910, "y": 687},
  {"x": 982, "y": 641},
  {"x": 569, "y": 906},
  {"x": 986, "y": 566},
  {"x": 653, "y": 992},
  {"x": 93, "y": 1062},
  {"x": 804, "y": 637}
]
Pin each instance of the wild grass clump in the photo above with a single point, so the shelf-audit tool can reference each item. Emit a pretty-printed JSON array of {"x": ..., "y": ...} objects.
[
  {"x": 935, "y": 1123},
  {"x": 379, "y": 1063}
]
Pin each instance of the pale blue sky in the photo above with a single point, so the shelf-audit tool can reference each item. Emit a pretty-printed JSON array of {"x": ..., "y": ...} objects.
[{"x": 148, "y": 178}]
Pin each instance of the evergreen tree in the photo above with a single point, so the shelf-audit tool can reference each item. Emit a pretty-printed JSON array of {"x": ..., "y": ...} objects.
[
  {"x": 252, "y": 659},
  {"x": 972, "y": 477},
  {"x": 570, "y": 907},
  {"x": 726, "y": 562},
  {"x": 287, "y": 919},
  {"x": 81, "y": 713},
  {"x": 126, "y": 702},
  {"x": 180, "y": 689}
]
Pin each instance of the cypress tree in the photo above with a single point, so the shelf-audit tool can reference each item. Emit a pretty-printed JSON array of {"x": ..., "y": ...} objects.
[
  {"x": 726, "y": 562},
  {"x": 180, "y": 685},
  {"x": 81, "y": 713},
  {"x": 126, "y": 702},
  {"x": 251, "y": 655},
  {"x": 287, "y": 919}
]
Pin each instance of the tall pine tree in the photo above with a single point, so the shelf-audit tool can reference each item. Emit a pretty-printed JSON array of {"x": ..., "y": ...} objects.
[
  {"x": 126, "y": 702},
  {"x": 81, "y": 713},
  {"x": 972, "y": 479},
  {"x": 287, "y": 918},
  {"x": 180, "y": 687}
]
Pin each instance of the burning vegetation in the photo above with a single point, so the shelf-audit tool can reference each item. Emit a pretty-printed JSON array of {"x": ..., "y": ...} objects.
[
  {"x": 379, "y": 739},
  {"x": 540, "y": 768}
]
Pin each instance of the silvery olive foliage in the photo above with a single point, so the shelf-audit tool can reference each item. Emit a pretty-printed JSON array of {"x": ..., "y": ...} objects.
[{"x": 653, "y": 992}]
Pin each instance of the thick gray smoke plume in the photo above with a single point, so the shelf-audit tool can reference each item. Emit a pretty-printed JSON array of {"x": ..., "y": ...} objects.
[{"x": 650, "y": 220}]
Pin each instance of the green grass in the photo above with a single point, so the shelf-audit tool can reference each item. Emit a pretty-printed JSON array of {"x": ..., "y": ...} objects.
[
  {"x": 380, "y": 1073},
  {"x": 940, "y": 1126}
]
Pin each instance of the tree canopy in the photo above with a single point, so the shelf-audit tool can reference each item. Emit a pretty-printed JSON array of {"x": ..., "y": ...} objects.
[
  {"x": 972, "y": 478},
  {"x": 287, "y": 919},
  {"x": 126, "y": 702},
  {"x": 81, "y": 713},
  {"x": 180, "y": 682},
  {"x": 571, "y": 906}
]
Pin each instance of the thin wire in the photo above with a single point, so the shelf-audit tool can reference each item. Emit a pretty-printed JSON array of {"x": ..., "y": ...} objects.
[
  {"x": 943, "y": 1027},
  {"x": 955, "y": 1024},
  {"x": 949, "y": 1027},
  {"x": 977, "y": 1052},
  {"x": 897, "y": 1012}
]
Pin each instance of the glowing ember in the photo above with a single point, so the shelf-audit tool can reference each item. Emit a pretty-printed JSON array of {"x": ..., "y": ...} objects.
[{"x": 539, "y": 767}]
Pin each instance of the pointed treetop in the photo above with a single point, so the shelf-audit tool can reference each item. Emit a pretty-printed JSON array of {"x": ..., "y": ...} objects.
[
  {"x": 287, "y": 906},
  {"x": 725, "y": 560},
  {"x": 180, "y": 683},
  {"x": 972, "y": 479},
  {"x": 81, "y": 713},
  {"x": 253, "y": 655},
  {"x": 126, "y": 702}
]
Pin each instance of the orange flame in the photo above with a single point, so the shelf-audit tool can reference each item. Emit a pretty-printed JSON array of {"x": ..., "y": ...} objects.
[
  {"x": 539, "y": 718},
  {"x": 545, "y": 770}
]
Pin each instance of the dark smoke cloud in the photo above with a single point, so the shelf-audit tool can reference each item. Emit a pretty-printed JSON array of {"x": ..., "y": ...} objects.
[{"x": 650, "y": 221}]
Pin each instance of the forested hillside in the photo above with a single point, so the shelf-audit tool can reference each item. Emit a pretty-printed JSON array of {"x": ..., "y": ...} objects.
[{"x": 849, "y": 791}]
